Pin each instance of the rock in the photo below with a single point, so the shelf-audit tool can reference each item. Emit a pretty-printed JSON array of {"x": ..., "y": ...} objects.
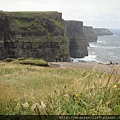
[
  {"x": 77, "y": 40},
  {"x": 102, "y": 31},
  {"x": 90, "y": 34}
]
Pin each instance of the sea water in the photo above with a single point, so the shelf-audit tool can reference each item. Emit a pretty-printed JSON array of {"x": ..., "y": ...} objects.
[{"x": 106, "y": 49}]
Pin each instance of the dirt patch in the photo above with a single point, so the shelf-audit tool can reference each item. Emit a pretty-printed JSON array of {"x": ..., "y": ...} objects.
[{"x": 87, "y": 66}]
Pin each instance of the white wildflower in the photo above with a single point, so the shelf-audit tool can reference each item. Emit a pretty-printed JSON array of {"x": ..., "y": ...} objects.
[
  {"x": 66, "y": 95},
  {"x": 25, "y": 105},
  {"x": 38, "y": 106},
  {"x": 42, "y": 105}
]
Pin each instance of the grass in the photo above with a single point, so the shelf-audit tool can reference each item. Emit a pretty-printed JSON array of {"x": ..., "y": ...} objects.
[
  {"x": 29, "y": 90},
  {"x": 28, "y": 61},
  {"x": 30, "y": 14}
]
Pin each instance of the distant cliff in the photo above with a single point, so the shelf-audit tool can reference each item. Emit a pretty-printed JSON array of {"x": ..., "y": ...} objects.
[
  {"x": 33, "y": 34},
  {"x": 77, "y": 40},
  {"x": 102, "y": 31},
  {"x": 90, "y": 34}
]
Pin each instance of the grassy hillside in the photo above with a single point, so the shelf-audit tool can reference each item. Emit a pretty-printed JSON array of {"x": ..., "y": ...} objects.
[
  {"x": 27, "y": 89},
  {"x": 37, "y": 23}
]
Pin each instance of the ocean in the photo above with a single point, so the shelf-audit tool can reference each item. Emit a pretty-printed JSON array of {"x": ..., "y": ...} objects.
[{"x": 106, "y": 49}]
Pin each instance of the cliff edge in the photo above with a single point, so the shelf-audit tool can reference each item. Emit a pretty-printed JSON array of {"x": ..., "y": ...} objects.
[{"x": 102, "y": 31}]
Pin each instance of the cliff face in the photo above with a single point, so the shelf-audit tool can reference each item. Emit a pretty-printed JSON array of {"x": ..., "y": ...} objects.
[
  {"x": 102, "y": 31},
  {"x": 33, "y": 34},
  {"x": 77, "y": 40},
  {"x": 90, "y": 34}
]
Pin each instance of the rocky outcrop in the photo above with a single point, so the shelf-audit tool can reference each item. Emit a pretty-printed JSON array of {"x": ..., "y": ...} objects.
[
  {"x": 90, "y": 34},
  {"x": 77, "y": 40},
  {"x": 102, "y": 31},
  {"x": 33, "y": 34}
]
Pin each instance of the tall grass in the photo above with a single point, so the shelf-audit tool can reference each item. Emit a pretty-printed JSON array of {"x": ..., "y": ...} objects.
[{"x": 40, "y": 90}]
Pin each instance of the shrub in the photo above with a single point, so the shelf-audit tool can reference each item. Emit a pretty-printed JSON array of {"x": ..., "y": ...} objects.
[{"x": 31, "y": 61}]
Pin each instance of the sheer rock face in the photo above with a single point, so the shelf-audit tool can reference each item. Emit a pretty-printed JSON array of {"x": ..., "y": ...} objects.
[
  {"x": 77, "y": 40},
  {"x": 102, "y": 31},
  {"x": 90, "y": 34},
  {"x": 41, "y": 35},
  {"x": 33, "y": 34}
]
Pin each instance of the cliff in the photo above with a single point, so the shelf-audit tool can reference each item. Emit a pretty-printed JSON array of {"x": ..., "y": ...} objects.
[
  {"x": 102, "y": 31},
  {"x": 90, "y": 34},
  {"x": 33, "y": 34},
  {"x": 77, "y": 40}
]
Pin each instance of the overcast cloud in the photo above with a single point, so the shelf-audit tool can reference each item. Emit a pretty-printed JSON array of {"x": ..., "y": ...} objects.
[{"x": 96, "y": 13}]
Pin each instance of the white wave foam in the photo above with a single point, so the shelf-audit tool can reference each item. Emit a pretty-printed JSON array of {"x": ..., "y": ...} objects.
[
  {"x": 93, "y": 45},
  {"x": 103, "y": 47},
  {"x": 107, "y": 47},
  {"x": 90, "y": 58},
  {"x": 115, "y": 35},
  {"x": 99, "y": 41}
]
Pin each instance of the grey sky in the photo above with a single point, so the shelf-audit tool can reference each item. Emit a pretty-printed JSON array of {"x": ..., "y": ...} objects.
[{"x": 96, "y": 13}]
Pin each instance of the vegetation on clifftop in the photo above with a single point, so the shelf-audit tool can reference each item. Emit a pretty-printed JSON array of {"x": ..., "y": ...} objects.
[
  {"x": 37, "y": 23},
  {"x": 22, "y": 24}
]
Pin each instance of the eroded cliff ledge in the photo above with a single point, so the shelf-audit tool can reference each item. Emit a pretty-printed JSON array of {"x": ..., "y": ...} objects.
[
  {"x": 77, "y": 40},
  {"x": 33, "y": 34},
  {"x": 90, "y": 34}
]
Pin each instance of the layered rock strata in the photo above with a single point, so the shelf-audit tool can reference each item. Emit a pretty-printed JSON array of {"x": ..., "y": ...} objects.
[{"x": 33, "y": 34}]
